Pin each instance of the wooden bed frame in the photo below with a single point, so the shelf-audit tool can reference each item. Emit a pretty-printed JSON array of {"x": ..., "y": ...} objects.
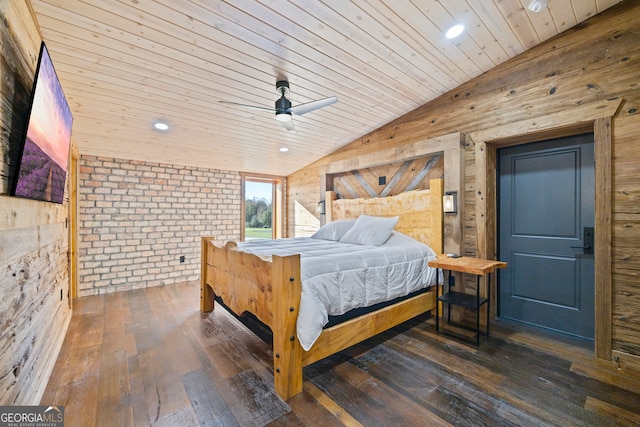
[{"x": 270, "y": 290}]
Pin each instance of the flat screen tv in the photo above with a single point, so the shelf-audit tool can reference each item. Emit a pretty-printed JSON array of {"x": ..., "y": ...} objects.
[{"x": 42, "y": 166}]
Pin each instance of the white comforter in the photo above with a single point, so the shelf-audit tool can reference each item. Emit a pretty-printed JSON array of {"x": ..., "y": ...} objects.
[{"x": 337, "y": 277}]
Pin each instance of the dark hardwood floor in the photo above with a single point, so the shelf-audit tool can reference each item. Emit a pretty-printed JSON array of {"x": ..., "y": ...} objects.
[{"x": 149, "y": 357}]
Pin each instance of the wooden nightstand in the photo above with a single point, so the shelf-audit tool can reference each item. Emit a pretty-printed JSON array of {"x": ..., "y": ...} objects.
[{"x": 477, "y": 266}]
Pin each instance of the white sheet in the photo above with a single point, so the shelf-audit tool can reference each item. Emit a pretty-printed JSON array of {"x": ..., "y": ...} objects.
[{"x": 337, "y": 277}]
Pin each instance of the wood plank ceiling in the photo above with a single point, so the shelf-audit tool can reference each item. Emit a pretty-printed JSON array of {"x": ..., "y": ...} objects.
[{"x": 124, "y": 64}]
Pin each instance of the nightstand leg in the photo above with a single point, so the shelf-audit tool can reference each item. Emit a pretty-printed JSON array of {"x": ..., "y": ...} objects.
[
  {"x": 488, "y": 301},
  {"x": 448, "y": 289},
  {"x": 477, "y": 309},
  {"x": 437, "y": 302}
]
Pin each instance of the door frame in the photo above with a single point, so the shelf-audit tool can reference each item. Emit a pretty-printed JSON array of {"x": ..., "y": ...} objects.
[
  {"x": 73, "y": 174},
  {"x": 486, "y": 144}
]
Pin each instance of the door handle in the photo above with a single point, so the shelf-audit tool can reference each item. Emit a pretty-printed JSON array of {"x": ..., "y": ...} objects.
[
  {"x": 584, "y": 248},
  {"x": 587, "y": 238}
]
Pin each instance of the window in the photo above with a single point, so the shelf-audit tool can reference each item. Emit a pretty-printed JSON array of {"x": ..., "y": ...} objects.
[{"x": 262, "y": 200}]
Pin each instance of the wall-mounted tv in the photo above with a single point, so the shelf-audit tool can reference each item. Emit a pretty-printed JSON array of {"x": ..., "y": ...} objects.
[{"x": 42, "y": 166}]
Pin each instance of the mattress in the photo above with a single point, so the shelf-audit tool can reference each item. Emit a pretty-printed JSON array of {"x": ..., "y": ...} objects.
[{"x": 338, "y": 277}]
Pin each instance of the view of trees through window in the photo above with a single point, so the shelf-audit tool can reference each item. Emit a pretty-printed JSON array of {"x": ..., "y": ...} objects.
[{"x": 258, "y": 210}]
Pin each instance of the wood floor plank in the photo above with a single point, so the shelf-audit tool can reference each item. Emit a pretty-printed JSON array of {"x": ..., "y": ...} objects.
[
  {"x": 618, "y": 415},
  {"x": 291, "y": 419},
  {"x": 148, "y": 357},
  {"x": 77, "y": 370},
  {"x": 227, "y": 361},
  {"x": 313, "y": 397},
  {"x": 136, "y": 387},
  {"x": 259, "y": 404},
  {"x": 163, "y": 389},
  {"x": 113, "y": 389},
  {"x": 183, "y": 418},
  {"x": 207, "y": 403},
  {"x": 115, "y": 336},
  {"x": 383, "y": 362},
  {"x": 359, "y": 407},
  {"x": 535, "y": 381},
  {"x": 183, "y": 358},
  {"x": 89, "y": 306},
  {"x": 406, "y": 410}
]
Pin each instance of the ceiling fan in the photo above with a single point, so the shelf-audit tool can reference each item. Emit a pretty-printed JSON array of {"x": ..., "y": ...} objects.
[{"x": 283, "y": 109}]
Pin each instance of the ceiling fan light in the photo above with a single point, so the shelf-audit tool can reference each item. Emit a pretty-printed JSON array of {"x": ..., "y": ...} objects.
[{"x": 283, "y": 117}]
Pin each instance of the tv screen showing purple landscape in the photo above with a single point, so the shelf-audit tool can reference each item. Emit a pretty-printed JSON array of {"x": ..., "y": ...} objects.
[{"x": 42, "y": 169}]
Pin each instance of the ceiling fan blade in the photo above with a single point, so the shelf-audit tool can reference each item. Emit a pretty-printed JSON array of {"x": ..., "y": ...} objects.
[
  {"x": 313, "y": 105},
  {"x": 254, "y": 107}
]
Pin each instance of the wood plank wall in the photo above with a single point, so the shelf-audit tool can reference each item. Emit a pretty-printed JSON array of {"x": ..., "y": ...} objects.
[
  {"x": 387, "y": 180},
  {"x": 34, "y": 283},
  {"x": 585, "y": 74}
]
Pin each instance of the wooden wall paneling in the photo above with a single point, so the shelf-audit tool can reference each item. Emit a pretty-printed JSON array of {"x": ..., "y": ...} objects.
[
  {"x": 280, "y": 221},
  {"x": 26, "y": 34},
  {"x": 485, "y": 218},
  {"x": 422, "y": 172},
  {"x": 413, "y": 174},
  {"x": 302, "y": 218},
  {"x": 20, "y": 213},
  {"x": 482, "y": 249},
  {"x": 359, "y": 159},
  {"x": 625, "y": 241},
  {"x": 34, "y": 315},
  {"x": 406, "y": 174},
  {"x": 33, "y": 325},
  {"x": 454, "y": 176},
  {"x": 453, "y": 238},
  {"x": 392, "y": 173},
  {"x": 624, "y": 360},
  {"x": 553, "y": 125},
  {"x": 353, "y": 185},
  {"x": 469, "y": 195},
  {"x": 603, "y": 233},
  {"x": 345, "y": 191},
  {"x": 16, "y": 70}
]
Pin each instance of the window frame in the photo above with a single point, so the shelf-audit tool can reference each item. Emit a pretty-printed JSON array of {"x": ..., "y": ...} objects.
[{"x": 277, "y": 204}]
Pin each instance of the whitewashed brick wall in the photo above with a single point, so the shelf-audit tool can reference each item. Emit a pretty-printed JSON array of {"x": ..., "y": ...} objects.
[{"x": 136, "y": 219}]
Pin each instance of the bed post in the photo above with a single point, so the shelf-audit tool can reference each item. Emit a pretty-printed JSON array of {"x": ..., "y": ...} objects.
[
  {"x": 329, "y": 198},
  {"x": 206, "y": 293},
  {"x": 287, "y": 352}
]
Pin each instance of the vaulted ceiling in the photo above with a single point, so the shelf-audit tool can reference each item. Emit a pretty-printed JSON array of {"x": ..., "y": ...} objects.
[{"x": 125, "y": 64}]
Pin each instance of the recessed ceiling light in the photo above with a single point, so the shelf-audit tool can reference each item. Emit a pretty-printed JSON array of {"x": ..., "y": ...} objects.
[
  {"x": 454, "y": 31},
  {"x": 537, "y": 5},
  {"x": 284, "y": 149},
  {"x": 161, "y": 126}
]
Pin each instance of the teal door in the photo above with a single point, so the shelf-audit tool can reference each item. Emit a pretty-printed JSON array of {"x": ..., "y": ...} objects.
[{"x": 546, "y": 218}]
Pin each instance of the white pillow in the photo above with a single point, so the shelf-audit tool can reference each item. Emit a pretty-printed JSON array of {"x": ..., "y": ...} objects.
[
  {"x": 334, "y": 230},
  {"x": 370, "y": 230}
]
